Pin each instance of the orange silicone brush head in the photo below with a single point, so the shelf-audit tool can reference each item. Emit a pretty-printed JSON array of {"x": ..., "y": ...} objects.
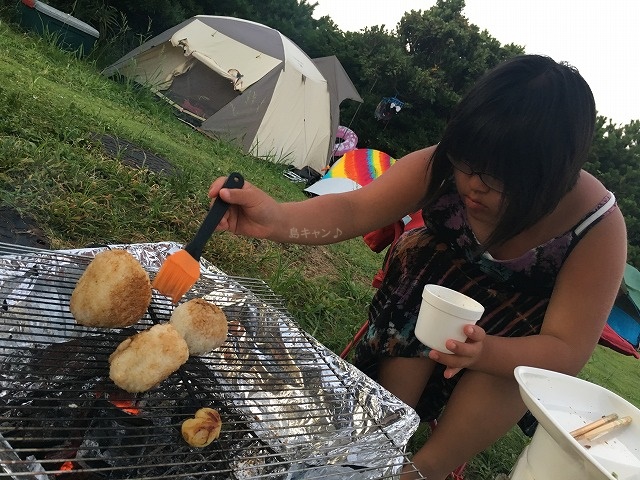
[
  {"x": 177, "y": 275},
  {"x": 181, "y": 269}
]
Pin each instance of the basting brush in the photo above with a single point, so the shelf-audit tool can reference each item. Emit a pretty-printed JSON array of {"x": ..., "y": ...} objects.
[{"x": 181, "y": 269}]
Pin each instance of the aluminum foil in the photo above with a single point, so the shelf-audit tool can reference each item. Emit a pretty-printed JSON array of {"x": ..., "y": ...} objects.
[{"x": 339, "y": 430}]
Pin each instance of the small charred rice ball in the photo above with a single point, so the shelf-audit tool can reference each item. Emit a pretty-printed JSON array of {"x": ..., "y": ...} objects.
[
  {"x": 145, "y": 359},
  {"x": 114, "y": 291},
  {"x": 202, "y": 324}
]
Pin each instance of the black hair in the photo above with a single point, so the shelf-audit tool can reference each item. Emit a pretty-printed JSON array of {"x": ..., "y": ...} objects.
[{"x": 530, "y": 123}]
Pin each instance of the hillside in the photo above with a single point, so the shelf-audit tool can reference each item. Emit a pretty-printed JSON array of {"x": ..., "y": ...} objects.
[{"x": 73, "y": 147}]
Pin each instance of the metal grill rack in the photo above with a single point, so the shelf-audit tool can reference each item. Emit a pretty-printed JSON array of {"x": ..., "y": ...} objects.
[{"x": 291, "y": 409}]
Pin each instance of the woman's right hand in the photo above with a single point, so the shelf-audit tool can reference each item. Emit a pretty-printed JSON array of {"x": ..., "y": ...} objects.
[
  {"x": 251, "y": 211},
  {"x": 465, "y": 354}
]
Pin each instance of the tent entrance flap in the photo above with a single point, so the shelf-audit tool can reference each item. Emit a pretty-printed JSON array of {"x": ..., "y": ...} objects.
[{"x": 238, "y": 63}]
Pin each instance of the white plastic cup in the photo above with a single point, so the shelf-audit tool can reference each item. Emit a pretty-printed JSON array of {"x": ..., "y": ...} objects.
[{"x": 443, "y": 314}]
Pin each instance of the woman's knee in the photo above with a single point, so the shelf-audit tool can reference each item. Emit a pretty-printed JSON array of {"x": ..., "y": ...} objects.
[
  {"x": 496, "y": 397},
  {"x": 405, "y": 377}
]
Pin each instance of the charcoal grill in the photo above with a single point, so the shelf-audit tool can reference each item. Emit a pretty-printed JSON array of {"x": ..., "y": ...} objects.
[{"x": 291, "y": 409}]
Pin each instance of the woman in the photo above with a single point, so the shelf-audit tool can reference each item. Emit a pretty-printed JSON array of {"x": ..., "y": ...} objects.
[{"x": 511, "y": 219}]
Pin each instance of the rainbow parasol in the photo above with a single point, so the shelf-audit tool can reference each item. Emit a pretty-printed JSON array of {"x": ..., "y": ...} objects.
[{"x": 361, "y": 165}]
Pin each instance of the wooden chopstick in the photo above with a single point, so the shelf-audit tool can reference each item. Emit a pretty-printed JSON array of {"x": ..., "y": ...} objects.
[
  {"x": 606, "y": 428},
  {"x": 593, "y": 425}
]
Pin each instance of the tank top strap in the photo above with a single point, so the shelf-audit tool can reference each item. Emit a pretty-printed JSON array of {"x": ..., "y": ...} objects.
[{"x": 605, "y": 206}]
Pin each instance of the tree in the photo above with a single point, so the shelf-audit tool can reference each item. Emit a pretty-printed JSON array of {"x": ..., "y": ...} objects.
[
  {"x": 428, "y": 63},
  {"x": 615, "y": 159},
  {"x": 131, "y": 23}
]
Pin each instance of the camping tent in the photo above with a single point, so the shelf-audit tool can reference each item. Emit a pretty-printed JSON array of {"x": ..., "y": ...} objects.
[
  {"x": 246, "y": 82},
  {"x": 625, "y": 315},
  {"x": 341, "y": 89}
]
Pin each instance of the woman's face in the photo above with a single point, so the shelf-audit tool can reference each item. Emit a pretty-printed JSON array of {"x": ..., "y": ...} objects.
[{"x": 482, "y": 202}]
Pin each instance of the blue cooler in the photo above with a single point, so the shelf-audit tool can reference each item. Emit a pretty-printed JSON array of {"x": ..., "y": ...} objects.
[{"x": 69, "y": 32}]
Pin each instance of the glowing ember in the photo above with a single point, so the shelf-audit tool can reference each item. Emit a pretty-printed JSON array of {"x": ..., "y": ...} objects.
[
  {"x": 123, "y": 400},
  {"x": 66, "y": 466},
  {"x": 126, "y": 406}
]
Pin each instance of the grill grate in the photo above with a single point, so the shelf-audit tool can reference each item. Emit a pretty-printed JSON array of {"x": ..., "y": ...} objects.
[{"x": 290, "y": 408}]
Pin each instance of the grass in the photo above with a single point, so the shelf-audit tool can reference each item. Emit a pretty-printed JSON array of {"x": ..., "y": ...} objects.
[
  {"x": 51, "y": 108},
  {"x": 53, "y": 169}
]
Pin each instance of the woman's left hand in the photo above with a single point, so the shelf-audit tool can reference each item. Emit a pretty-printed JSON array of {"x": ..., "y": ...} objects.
[{"x": 464, "y": 354}]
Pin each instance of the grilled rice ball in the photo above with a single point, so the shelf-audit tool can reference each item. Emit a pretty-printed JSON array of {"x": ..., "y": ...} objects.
[
  {"x": 202, "y": 324},
  {"x": 113, "y": 292},
  {"x": 145, "y": 359}
]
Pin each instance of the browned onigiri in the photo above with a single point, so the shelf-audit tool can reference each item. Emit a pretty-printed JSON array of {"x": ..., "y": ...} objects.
[
  {"x": 113, "y": 292},
  {"x": 145, "y": 359},
  {"x": 202, "y": 324}
]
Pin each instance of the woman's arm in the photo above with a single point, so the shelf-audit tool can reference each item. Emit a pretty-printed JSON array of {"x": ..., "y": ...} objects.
[
  {"x": 584, "y": 294},
  {"x": 328, "y": 218}
]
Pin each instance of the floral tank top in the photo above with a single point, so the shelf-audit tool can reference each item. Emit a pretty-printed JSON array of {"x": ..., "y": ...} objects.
[
  {"x": 514, "y": 292},
  {"x": 537, "y": 268}
]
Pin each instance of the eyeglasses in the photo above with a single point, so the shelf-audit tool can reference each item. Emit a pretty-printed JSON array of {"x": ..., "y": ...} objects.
[{"x": 489, "y": 180}]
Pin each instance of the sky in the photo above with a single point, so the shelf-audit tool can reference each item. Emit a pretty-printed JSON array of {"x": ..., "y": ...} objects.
[{"x": 601, "y": 38}]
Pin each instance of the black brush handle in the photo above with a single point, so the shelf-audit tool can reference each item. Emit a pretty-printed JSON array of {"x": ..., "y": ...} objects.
[{"x": 211, "y": 221}]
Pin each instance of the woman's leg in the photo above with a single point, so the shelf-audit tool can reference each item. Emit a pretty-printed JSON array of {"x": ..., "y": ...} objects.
[
  {"x": 406, "y": 378},
  {"x": 481, "y": 409}
]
